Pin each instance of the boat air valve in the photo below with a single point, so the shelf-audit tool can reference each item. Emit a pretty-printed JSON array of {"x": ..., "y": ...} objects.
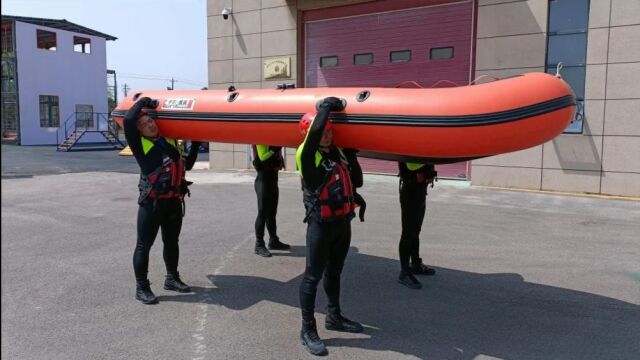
[
  {"x": 233, "y": 96},
  {"x": 363, "y": 95}
]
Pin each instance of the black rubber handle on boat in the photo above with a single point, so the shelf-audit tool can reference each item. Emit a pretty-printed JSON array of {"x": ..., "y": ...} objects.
[
  {"x": 286, "y": 86},
  {"x": 343, "y": 101}
]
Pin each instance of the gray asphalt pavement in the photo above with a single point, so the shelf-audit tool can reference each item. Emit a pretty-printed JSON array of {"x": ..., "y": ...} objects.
[{"x": 519, "y": 275}]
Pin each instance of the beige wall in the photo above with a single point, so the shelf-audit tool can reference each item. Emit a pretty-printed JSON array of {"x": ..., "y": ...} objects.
[
  {"x": 605, "y": 159},
  {"x": 511, "y": 40},
  {"x": 237, "y": 47}
]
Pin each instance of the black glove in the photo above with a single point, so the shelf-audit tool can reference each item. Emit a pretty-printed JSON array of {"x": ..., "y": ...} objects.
[
  {"x": 133, "y": 112},
  {"x": 275, "y": 149},
  {"x": 333, "y": 103},
  {"x": 196, "y": 144},
  {"x": 359, "y": 200},
  {"x": 349, "y": 151}
]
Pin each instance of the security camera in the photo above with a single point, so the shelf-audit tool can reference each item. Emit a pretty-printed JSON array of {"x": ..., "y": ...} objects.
[{"x": 225, "y": 13}]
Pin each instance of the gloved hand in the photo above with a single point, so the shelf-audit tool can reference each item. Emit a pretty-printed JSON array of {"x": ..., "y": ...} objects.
[
  {"x": 359, "y": 200},
  {"x": 143, "y": 102},
  {"x": 333, "y": 103},
  {"x": 349, "y": 151},
  {"x": 275, "y": 149}
]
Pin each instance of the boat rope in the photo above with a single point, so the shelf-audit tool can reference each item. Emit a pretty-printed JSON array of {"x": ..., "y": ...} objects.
[
  {"x": 482, "y": 77},
  {"x": 409, "y": 82},
  {"x": 558, "y": 69},
  {"x": 444, "y": 81}
]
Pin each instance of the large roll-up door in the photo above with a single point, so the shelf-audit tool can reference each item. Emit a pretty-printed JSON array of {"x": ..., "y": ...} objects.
[{"x": 424, "y": 44}]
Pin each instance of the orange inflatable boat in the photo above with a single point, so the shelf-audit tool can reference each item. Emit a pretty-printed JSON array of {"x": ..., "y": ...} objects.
[{"x": 437, "y": 125}]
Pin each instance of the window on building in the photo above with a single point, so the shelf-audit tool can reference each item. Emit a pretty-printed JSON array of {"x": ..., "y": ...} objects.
[
  {"x": 9, "y": 99},
  {"x": 441, "y": 53},
  {"x": 363, "y": 59},
  {"x": 82, "y": 45},
  {"x": 49, "y": 111},
  {"x": 400, "y": 56},
  {"x": 84, "y": 116},
  {"x": 8, "y": 83},
  {"x": 328, "y": 61},
  {"x": 567, "y": 44},
  {"x": 7, "y": 39},
  {"x": 46, "y": 40}
]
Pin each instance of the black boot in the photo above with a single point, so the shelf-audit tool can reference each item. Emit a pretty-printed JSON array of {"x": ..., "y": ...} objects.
[
  {"x": 276, "y": 244},
  {"x": 407, "y": 279},
  {"x": 340, "y": 323},
  {"x": 261, "y": 249},
  {"x": 311, "y": 340},
  {"x": 174, "y": 283},
  {"x": 420, "y": 268},
  {"x": 144, "y": 293}
]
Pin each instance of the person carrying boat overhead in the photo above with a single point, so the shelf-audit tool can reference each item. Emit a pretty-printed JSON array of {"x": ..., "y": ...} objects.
[
  {"x": 162, "y": 188},
  {"x": 414, "y": 180},
  {"x": 329, "y": 176},
  {"x": 267, "y": 160}
]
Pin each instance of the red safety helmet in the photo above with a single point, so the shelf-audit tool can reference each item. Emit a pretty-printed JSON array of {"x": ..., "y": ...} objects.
[{"x": 307, "y": 119}]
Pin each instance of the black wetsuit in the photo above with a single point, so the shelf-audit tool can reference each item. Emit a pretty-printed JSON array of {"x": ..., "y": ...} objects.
[
  {"x": 413, "y": 194},
  {"x": 327, "y": 242},
  {"x": 153, "y": 215},
  {"x": 266, "y": 187}
]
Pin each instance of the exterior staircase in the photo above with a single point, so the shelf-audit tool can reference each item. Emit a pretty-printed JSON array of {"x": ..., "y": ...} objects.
[
  {"x": 71, "y": 140},
  {"x": 75, "y": 129}
]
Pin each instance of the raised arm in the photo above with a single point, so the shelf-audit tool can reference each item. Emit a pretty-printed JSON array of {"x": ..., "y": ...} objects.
[
  {"x": 307, "y": 156},
  {"x": 131, "y": 132}
]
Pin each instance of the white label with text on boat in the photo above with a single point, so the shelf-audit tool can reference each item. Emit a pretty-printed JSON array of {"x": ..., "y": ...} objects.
[{"x": 178, "y": 104}]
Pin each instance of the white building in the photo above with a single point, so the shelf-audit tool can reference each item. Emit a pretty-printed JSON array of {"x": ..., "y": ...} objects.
[{"x": 53, "y": 72}]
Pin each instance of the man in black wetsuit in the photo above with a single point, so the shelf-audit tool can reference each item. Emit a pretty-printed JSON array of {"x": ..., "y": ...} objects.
[
  {"x": 414, "y": 180},
  {"x": 267, "y": 160},
  {"x": 162, "y": 189},
  {"x": 329, "y": 178}
]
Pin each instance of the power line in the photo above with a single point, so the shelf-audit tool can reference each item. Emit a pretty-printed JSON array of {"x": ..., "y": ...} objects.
[
  {"x": 145, "y": 78},
  {"x": 159, "y": 77}
]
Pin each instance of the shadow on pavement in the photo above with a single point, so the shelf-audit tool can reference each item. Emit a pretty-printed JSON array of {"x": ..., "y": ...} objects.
[
  {"x": 456, "y": 315},
  {"x": 295, "y": 251}
]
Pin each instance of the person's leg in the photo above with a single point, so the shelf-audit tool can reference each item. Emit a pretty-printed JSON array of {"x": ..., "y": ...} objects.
[
  {"x": 417, "y": 267},
  {"x": 339, "y": 247},
  {"x": 404, "y": 248},
  {"x": 259, "y": 186},
  {"x": 147, "y": 227},
  {"x": 316, "y": 259},
  {"x": 405, "y": 277},
  {"x": 171, "y": 225},
  {"x": 274, "y": 240},
  {"x": 419, "y": 209},
  {"x": 272, "y": 205}
]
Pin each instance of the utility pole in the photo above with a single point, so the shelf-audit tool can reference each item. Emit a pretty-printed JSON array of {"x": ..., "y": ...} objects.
[
  {"x": 125, "y": 88},
  {"x": 172, "y": 84}
]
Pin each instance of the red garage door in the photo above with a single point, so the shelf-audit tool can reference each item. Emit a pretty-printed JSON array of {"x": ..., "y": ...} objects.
[{"x": 351, "y": 46}]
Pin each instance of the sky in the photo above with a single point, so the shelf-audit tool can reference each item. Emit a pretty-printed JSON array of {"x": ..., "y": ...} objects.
[{"x": 157, "y": 39}]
